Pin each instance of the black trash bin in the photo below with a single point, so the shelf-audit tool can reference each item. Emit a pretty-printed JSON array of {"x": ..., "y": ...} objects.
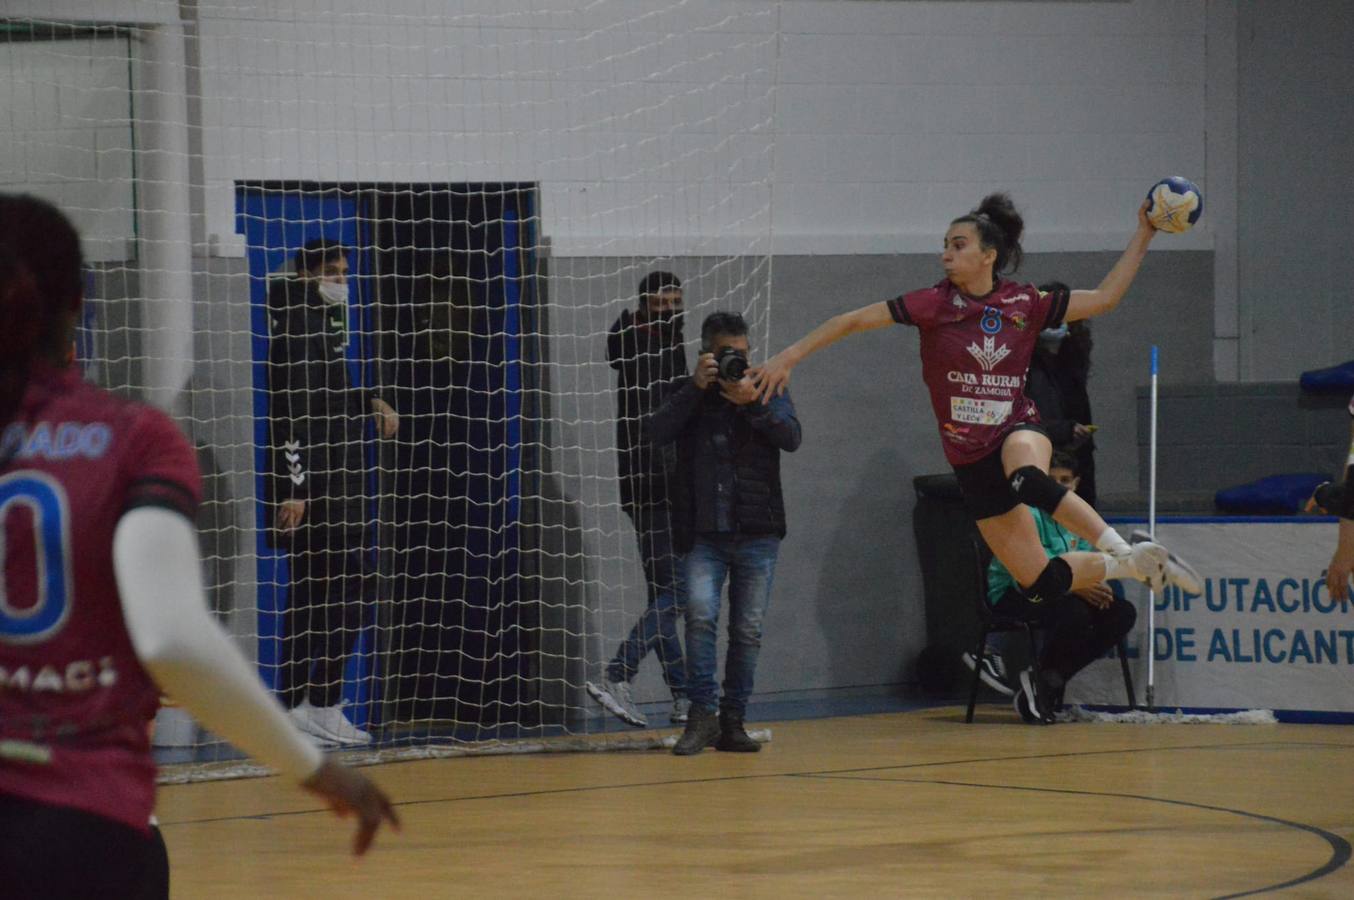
[{"x": 949, "y": 564}]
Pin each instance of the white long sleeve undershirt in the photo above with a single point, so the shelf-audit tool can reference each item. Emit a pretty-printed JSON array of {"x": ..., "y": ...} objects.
[{"x": 158, "y": 570}]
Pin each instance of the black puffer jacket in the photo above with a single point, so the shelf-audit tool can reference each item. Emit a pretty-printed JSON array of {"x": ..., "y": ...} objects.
[
  {"x": 648, "y": 357},
  {"x": 317, "y": 418},
  {"x": 728, "y": 469}
]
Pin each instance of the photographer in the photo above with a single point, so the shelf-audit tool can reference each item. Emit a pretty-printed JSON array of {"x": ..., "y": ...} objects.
[{"x": 728, "y": 515}]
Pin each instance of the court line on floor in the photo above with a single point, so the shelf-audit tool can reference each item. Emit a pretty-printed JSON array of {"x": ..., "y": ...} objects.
[
  {"x": 1340, "y": 848},
  {"x": 674, "y": 782}
]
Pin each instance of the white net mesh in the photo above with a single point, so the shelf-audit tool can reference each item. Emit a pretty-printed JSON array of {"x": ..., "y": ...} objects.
[{"x": 500, "y": 177}]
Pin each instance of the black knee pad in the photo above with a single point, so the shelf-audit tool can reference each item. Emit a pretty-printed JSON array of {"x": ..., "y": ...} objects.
[
  {"x": 1052, "y": 583},
  {"x": 1034, "y": 487}
]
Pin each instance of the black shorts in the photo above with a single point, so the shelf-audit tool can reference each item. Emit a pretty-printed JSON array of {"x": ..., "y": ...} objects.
[
  {"x": 986, "y": 489},
  {"x": 53, "y": 852}
]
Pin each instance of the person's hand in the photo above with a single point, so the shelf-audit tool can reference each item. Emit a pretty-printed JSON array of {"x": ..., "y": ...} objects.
[
  {"x": 1144, "y": 223},
  {"x": 387, "y": 420},
  {"x": 707, "y": 371},
  {"x": 773, "y": 376},
  {"x": 740, "y": 392},
  {"x": 347, "y": 792},
  {"x": 290, "y": 513},
  {"x": 1338, "y": 573},
  {"x": 1097, "y": 595}
]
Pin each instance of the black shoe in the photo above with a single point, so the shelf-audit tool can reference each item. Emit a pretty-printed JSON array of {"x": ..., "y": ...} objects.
[
  {"x": 702, "y": 730},
  {"x": 1035, "y": 700},
  {"x": 733, "y": 738},
  {"x": 1022, "y": 706}
]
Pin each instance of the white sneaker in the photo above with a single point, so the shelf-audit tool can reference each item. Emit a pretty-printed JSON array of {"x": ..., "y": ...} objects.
[
  {"x": 615, "y": 696},
  {"x": 303, "y": 717},
  {"x": 1149, "y": 561},
  {"x": 1178, "y": 572},
  {"x": 681, "y": 711},
  {"x": 332, "y": 720}
]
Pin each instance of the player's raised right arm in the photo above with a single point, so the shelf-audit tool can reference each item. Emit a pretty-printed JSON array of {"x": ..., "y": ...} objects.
[{"x": 772, "y": 376}]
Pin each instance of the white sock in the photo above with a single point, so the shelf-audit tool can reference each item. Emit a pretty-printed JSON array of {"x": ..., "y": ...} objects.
[
  {"x": 1117, "y": 566},
  {"x": 1110, "y": 542}
]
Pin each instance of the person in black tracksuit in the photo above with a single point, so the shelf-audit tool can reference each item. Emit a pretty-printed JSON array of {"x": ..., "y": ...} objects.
[
  {"x": 646, "y": 348},
  {"x": 1059, "y": 371},
  {"x": 317, "y": 491}
]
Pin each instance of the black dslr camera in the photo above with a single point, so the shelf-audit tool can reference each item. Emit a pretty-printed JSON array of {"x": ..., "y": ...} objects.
[{"x": 733, "y": 364}]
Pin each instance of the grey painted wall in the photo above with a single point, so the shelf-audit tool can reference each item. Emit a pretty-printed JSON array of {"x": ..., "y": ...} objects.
[
  {"x": 1295, "y": 114},
  {"x": 847, "y": 604}
]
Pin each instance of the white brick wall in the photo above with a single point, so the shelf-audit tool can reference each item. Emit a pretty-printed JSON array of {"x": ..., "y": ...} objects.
[
  {"x": 650, "y": 123},
  {"x": 64, "y": 112}
]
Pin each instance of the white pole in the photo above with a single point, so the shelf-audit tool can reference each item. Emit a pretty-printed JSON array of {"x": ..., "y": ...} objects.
[
  {"x": 163, "y": 214},
  {"x": 1152, "y": 530}
]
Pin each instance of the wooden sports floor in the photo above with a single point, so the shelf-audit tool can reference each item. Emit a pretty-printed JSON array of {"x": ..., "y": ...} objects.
[{"x": 913, "y": 804}]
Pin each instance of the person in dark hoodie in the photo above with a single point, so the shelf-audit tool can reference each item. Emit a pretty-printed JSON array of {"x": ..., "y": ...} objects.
[
  {"x": 645, "y": 347},
  {"x": 317, "y": 487},
  {"x": 1059, "y": 371}
]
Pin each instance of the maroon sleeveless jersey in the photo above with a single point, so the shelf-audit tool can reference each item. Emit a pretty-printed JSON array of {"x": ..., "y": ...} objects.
[
  {"x": 975, "y": 354},
  {"x": 74, "y": 700}
]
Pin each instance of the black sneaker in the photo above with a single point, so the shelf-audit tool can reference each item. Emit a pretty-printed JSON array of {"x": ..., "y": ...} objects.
[
  {"x": 702, "y": 730},
  {"x": 733, "y": 738},
  {"x": 991, "y": 671},
  {"x": 1022, "y": 706},
  {"x": 1035, "y": 701}
]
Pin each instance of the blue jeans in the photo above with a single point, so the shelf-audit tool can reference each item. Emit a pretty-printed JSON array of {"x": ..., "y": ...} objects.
[
  {"x": 657, "y": 627},
  {"x": 748, "y": 563}
]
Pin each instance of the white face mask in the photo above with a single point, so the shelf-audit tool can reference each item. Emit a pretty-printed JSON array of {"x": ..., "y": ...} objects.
[{"x": 333, "y": 293}]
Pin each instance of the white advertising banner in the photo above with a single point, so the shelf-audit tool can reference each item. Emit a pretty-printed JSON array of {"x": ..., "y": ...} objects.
[{"x": 1265, "y": 633}]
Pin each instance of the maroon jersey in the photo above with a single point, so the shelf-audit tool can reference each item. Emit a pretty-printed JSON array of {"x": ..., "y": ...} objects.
[
  {"x": 975, "y": 354},
  {"x": 74, "y": 700}
]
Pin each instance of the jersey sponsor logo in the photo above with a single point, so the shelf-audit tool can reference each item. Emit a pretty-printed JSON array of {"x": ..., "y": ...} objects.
[
  {"x": 979, "y": 412},
  {"x": 31, "y": 620},
  {"x": 1019, "y": 320},
  {"x": 989, "y": 354},
  {"x": 77, "y": 677},
  {"x": 65, "y": 440},
  {"x": 957, "y": 301},
  {"x": 1016, "y": 299}
]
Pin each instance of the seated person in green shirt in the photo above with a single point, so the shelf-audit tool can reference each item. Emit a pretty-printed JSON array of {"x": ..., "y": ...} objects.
[{"x": 1078, "y": 627}]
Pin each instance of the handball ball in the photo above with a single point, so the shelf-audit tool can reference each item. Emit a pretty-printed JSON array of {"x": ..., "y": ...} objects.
[{"x": 1174, "y": 204}]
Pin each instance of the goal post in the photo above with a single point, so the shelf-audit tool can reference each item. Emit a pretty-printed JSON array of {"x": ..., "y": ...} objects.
[{"x": 501, "y": 176}]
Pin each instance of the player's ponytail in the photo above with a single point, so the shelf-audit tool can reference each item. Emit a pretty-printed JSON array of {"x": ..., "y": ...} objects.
[
  {"x": 40, "y": 291},
  {"x": 20, "y": 328},
  {"x": 999, "y": 227}
]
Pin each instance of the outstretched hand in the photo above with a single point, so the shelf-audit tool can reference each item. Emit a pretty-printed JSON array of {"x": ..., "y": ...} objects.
[
  {"x": 347, "y": 792},
  {"x": 1143, "y": 221},
  {"x": 772, "y": 377}
]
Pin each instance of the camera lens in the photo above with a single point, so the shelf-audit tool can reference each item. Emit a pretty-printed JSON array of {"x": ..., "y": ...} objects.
[{"x": 733, "y": 364}]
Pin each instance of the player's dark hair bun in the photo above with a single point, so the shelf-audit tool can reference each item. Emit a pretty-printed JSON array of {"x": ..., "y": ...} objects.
[{"x": 1008, "y": 227}]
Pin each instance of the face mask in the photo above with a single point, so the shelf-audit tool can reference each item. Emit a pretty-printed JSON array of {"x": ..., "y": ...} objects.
[
  {"x": 335, "y": 294},
  {"x": 1051, "y": 338}
]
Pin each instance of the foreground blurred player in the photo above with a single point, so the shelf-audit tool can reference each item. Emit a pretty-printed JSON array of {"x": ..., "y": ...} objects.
[
  {"x": 102, "y": 601},
  {"x": 978, "y": 331}
]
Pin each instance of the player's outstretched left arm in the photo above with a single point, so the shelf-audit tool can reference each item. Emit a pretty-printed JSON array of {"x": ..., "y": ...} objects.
[
  {"x": 1089, "y": 304},
  {"x": 772, "y": 376}
]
